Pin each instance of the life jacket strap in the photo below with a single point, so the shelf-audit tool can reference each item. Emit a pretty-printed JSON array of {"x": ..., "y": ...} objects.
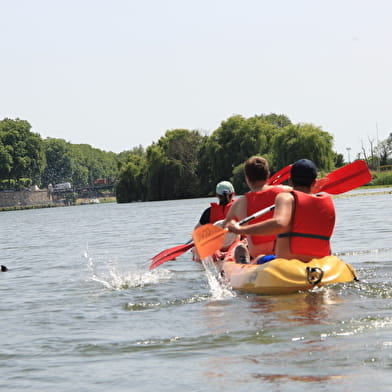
[{"x": 305, "y": 235}]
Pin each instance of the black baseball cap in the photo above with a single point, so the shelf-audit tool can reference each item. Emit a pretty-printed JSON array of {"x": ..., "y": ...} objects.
[{"x": 304, "y": 169}]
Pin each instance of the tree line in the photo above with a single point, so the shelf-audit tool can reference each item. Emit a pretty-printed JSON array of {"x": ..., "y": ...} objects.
[
  {"x": 181, "y": 164},
  {"x": 26, "y": 159},
  {"x": 185, "y": 163}
]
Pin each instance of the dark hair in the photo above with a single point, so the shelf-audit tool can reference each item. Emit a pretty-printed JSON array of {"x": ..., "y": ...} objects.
[
  {"x": 225, "y": 199},
  {"x": 256, "y": 169},
  {"x": 302, "y": 181}
]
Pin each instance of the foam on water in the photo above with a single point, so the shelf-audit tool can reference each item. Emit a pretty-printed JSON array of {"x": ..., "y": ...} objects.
[
  {"x": 114, "y": 278},
  {"x": 218, "y": 287}
]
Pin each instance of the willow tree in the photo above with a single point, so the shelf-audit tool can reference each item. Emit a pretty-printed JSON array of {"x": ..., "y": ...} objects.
[
  {"x": 233, "y": 142},
  {"x": 130, "y": 184},
  {"x": 299, "y": 141},
  {"x": 172, "y": 165}
]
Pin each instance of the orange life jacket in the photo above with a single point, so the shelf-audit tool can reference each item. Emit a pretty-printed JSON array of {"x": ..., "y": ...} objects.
[
  {"x": 313, "y": 224},
  {"x": 256, "y": 201},
  {"x": 219, "y": 212}
]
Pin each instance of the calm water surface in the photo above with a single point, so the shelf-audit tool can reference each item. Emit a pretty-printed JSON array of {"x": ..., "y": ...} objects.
[{"x": 81, "y": 312}]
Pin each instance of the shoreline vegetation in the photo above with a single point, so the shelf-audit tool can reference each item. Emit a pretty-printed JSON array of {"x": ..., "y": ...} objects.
[
  {"x": 104, "y": 200},
  {"x": 79, "y": 202},
  {"x": 182, "y": 164}
]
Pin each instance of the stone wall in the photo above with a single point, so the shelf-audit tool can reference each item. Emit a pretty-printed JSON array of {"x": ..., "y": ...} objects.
[{"x": 25, "y": 198}]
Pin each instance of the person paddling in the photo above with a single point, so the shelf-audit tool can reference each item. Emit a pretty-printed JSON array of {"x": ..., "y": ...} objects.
[
  {"x": 261, "y": 195},
  {"x": 302, "y": 221},
  {"x": 217, "y": 212}
]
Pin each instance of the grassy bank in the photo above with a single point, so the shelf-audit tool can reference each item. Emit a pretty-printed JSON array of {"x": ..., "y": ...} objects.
[
  {"x": 381, "y": 178},
  {"x": 31, "y": 207},
  {"x": 52, "y": 205}
]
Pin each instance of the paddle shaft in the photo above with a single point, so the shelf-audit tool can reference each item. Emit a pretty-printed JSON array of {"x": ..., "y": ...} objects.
[{"x": 256, "y": 214}]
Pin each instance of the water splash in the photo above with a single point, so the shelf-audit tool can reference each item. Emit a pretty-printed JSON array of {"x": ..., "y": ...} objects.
[
  {"x": 113, "y": 278},
  {"x": 219, "y": 287}
]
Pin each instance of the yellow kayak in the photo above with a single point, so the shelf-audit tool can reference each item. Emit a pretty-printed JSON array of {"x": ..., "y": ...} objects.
[{"x": 282, "y": 276}]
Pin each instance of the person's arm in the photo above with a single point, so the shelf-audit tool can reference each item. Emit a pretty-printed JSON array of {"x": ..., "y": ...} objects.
[
  {"x": 286, "y": 188},
  {"x": 205, "y": 217},
  {"x": 279, "y": 223},
  {"x": 236, "y": 211}
]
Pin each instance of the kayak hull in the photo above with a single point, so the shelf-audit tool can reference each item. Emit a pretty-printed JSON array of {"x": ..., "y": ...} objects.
[{"x": 282, "y": 276}]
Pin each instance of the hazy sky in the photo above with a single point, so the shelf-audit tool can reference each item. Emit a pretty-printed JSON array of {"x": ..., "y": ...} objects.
[{"x": 118, "y": 73}]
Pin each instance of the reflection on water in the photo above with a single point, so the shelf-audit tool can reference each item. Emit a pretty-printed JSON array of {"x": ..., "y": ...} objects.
[
  {"x": 269, "y": 312},
  {"x": 304, "y": 308}
]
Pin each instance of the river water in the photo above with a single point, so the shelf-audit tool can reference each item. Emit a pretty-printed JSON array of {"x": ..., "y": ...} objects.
[{"x": 79, "y": 310}]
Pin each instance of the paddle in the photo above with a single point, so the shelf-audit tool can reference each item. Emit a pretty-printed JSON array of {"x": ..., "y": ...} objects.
[
  {"x": 172, "y": 253},
  {"x": 208, "y": 238},
  {"x": 344, "y": 179},
  {"x": 280, "y": 176}
]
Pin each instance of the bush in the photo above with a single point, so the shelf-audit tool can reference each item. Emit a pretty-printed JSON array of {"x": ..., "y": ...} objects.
[{"x": 382, "y": 178}]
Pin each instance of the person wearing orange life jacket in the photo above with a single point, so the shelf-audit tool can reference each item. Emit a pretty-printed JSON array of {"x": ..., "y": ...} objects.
[
  {"x": 217, "y": 212},
  {"x": 261, "y": 195},
  {"x": 303, "y": 222}
]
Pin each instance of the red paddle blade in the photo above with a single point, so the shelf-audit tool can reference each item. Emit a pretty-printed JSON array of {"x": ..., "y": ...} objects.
[
  {"x": 208, "y": 238},
  {"x": 280, "y": 176},
  {"x": 344, "y": 179},
  {"x": 169, "y": 254}
]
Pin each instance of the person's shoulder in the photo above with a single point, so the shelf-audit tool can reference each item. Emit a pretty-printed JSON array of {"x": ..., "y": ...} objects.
[
  {"x": 284, "y": 188},
  {"x": 239, "y": 200},
  {"x": 284, "y": 196},
  {"x": 323, "y": 195},
  {"x": 205, "y": 216}
]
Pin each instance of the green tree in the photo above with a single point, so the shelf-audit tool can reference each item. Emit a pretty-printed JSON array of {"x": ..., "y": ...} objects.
[
  {"x": 384, "y": 151},
  {"x": 5, "y": 161},
  {"x": 160, "y": 174},
  {"x": 24, "y": 147},
  {"x": 233, "y": 142},
  {"x": 90, "y": 164},
  {"x": 130, "y": 185},
  {"x": 338, "y": 160},
  {"x": 238, "y": 180},
  {"x": 303, "y": 141},
  {"x": 172, "y": 165},
  {"x": 58, "y": 162},
  {"x": 278, "y": 120}
]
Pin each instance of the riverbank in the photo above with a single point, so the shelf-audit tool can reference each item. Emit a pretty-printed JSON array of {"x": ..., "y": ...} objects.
[
  {"x": 99, "y": 200},
  {"x": 375, "y": 193}
]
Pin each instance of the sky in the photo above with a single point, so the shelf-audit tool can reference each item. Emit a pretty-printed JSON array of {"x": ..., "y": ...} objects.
[{"x": 117, "y": 74}]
